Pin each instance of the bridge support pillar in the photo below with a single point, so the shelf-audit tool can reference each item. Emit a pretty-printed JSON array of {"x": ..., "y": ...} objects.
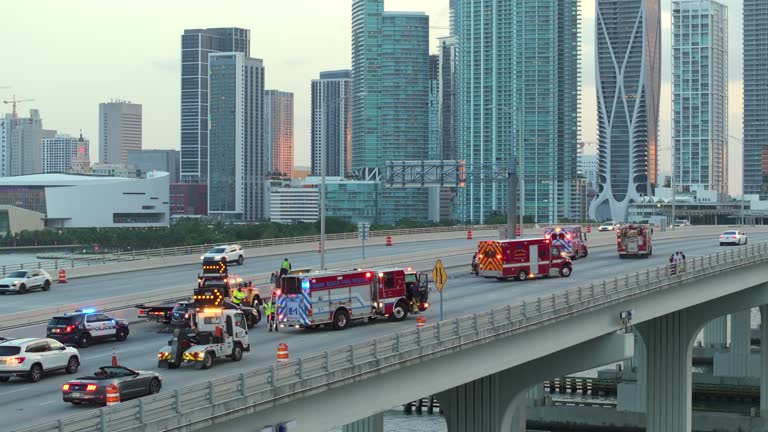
[
  {"x": 374, "y": 423},
  {"x": 632, "y": 396},
  {"x": 716, "y": 333},
  {"x": 736, "y": 361},
  {"x": 764, "y": 361},
  {"x": 669, "y": 343}
]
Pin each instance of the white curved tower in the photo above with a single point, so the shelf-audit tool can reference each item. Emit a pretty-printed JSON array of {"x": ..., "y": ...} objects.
[{"x": 628, "y": 68}]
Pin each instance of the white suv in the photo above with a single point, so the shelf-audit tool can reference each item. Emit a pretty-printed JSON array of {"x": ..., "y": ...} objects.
[
  {"x": 232, "y": 253},
  {"x": 32, "y": 357}
]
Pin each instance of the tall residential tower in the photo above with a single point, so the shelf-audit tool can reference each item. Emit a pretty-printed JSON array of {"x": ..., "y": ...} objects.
[
  {"x": 278, "y": 131},
  {"x": 332, "y": 122},
  {"x": 755, "y": 98},
  {"x": 700, "y": 95},
  {"x": 628, "y": 72},
  {"x": 236, "y": 159},
  {"x": 196, "y": 45},
  {"x": 518, "y": 84}
]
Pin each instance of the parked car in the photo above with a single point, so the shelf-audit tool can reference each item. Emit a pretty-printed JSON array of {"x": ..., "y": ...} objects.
[
  {"x": 232, "y": 253},
  {"x": 93, "y": 388},
  {"x": 682, "y": 222},
  {"x": 85, "y": 326},
  {"x": 31, "y": 358},
  {"x": 608, "y": 226},
  {"x": 21, "y": 281},
  {"x": 734, "y": 237}
]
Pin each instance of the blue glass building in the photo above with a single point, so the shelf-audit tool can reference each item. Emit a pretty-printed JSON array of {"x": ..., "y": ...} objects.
[{"x": 755, "y": 98}]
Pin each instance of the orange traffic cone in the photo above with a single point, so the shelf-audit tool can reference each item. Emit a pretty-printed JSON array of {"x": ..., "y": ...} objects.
[
  {"x": 114, "y": 357},
  {"x": 421, "y": 321}
]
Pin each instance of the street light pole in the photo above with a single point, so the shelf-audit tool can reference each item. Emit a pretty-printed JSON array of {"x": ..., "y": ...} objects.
[
  {"x": 512, "y": 180},
  {"x": 323, "y": 143}
]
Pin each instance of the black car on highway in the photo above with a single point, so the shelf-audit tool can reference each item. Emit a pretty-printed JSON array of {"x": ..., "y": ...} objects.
[
  {"x": 181, "y": 315},
  {"x": 93, "y": 388},
  {"x": 85, "y": 326}
]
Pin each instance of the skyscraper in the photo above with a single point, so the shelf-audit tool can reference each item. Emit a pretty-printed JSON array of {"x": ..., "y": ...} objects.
[
  {"x": 196, "y": 45},
  {"x": 278, "y": 131},
  {"x": 433, "y": 152},
  {"x": 156, "y": 160},
  {"x": 628, "y": 71},
  {"x": 518, "y": 81},
  {"x": 332, "y": 122},
  {"x": 24, "y": 143},
  {"x": 390, "y": 85},
  {"x": 700, "y": 95},
  {"x": 60, "y": 151},
  {"x": 447, "y": 98},
  {"x": 119, "y": 131},
  {"x": 236, "y": 160},
  {"x": 755, "y": 98},
  {"x": 390, "y": 99}
]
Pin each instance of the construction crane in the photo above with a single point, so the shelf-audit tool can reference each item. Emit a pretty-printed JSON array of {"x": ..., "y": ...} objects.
[{"x": 14, "y": 101}]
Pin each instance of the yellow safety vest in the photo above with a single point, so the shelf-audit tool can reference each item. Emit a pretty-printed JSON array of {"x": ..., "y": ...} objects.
[{"x": 238, "y": 297}]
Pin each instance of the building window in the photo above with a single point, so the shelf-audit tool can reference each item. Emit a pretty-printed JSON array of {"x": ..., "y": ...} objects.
[{"x": 137, "y": 218}]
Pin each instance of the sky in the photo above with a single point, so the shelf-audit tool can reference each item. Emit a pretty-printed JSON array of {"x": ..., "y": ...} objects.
[{"x": 70, "y": 56}]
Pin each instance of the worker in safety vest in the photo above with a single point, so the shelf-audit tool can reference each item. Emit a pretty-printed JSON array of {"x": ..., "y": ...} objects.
[
  {"x": 271, "y": 310},
  {"x": 238, "y": 296},
  {"x": 285, "y": 267}
]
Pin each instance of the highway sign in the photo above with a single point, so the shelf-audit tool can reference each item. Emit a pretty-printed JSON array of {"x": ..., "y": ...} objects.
[
  {"x": 363, "y": 229},
  {"x": 439, "y": 275}
]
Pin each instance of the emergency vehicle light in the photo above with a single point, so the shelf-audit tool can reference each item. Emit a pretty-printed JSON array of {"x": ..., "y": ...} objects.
[
  {"x": 480, "y": 256},
  {"x": 368, "y": 275},
  {"x": 557, "y": 229},
  {"x": 277, "y": 292},
  {"x": 498, "y": 256},
  {"x": 546, "y": 236},
  {"x": 89, "y": 310},
  {"x": 568, "y": 236},
  {"x": 381, "y": 274},
  {"x": 409, "y": 269}
]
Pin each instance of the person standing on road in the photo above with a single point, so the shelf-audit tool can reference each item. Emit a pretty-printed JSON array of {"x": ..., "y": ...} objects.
[
  {"x": 269, "y": 310},
  {"x": 238, "y": 296},
  {"x": 285, "y": 267}
]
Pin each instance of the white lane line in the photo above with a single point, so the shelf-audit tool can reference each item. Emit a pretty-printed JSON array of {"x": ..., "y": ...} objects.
[
  {"x": 49, "y": 402},
  {"x": 12, "y": 391}
]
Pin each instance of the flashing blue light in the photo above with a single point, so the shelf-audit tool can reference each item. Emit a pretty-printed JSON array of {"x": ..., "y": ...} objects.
[
  {"x": 89, "y": 310},
  {"x": 305, "y": 284}
]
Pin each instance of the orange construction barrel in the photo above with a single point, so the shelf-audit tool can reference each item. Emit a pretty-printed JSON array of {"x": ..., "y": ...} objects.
[
  {"x": 113, "y": 395},
  {"x": 421, "y": 321},
  {"x": 519, "y": 232},
  {"x": 62, "y": 276},
  {"x": 589, "y": 228},
  {"x": 389, "y": 240},
  {"x": 282, "y": 352}
]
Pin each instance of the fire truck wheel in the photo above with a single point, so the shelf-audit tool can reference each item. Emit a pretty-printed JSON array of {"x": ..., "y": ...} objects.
[
  {"x": 522, "y": 275},
  {"x": 586, "y": 252},
  {"x": 237, "y": 352},
  {"x": 340, "y": 320},
  {"x": 399, "y": 312},
  {"x": 565, "y": 271},
  {"x": 207, "y": 360}
]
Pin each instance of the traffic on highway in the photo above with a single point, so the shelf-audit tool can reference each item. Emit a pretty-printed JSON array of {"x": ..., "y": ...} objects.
[{"x": 212, "y": 335}]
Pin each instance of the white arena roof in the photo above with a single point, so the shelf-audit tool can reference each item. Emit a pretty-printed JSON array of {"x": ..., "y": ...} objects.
[{"x": 42, "y": 180}]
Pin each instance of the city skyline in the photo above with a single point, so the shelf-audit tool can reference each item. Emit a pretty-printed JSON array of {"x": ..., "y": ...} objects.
[{"x": 71, "y": 101}]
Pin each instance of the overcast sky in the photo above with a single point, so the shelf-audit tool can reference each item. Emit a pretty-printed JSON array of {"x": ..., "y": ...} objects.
[{"x": 71, "y": 55}]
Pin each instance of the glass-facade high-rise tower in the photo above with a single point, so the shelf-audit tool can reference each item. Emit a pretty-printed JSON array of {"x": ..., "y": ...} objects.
[
  {"x": 332, "y": 122},
  {"x": 628, "y": 72},
  {"x": 390, "y": 98},
  {"x": 278, "y": 132},
  {"x": 196, "y": 45},
  {"x": 518, "y": 82},
  {"x": 700, "y": 95},
  {"x": 236, "y": 159},
  {"x": 755, "y": 98}
]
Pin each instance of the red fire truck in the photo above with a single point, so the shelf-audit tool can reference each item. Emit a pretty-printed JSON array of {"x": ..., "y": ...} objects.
[
  {"x": 572, "y": 240},
  {"x": 339, "y": 297},
  {"x": 634, "y": 240},
  {"x": 522, "y": 259}
]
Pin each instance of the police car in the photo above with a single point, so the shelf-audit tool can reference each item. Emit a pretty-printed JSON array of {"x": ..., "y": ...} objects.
[{"x": 85, "y": 326}]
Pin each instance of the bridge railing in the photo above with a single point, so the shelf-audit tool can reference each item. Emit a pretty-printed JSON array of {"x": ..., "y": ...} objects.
[{"x": 192, "y": 406}]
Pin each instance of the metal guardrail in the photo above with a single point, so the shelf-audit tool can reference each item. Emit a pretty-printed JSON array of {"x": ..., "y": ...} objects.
[{"x": 187, "y": 406}]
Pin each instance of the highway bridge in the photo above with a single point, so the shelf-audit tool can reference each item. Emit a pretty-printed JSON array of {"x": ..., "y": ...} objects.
[{"x": 545, "y": 331}]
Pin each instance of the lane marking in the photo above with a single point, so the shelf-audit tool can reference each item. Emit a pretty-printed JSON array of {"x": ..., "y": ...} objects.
[
  {"x": 12, "y": 391},
  {"x": 49, "y": 402}
]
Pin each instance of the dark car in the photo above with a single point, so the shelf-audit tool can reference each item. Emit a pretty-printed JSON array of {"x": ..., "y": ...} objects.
[
  {"x": 181, "y": 315},
  {"x": 85, "y": 326},
  {"x": 93, "y": 388}
]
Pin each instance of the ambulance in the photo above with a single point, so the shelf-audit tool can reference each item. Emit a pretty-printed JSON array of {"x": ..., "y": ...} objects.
[{"x": 522, "y": 259}]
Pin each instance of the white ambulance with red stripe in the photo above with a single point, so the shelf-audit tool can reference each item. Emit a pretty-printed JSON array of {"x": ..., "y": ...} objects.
[{"x": 522, "y": 259}]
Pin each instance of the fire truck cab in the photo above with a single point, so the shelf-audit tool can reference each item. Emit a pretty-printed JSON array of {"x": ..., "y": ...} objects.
[
  {"x": 522, "y": 259},
  {"x": 572, "y": 240},
  {"x": 634, "y": 240}
]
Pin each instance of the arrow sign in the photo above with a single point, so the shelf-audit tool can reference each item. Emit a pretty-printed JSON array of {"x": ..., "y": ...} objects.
[{"x": 439, "y": 275}]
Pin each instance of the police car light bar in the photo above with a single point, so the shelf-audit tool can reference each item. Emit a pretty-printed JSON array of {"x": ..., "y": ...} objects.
[{"x": 88, "y": 310}]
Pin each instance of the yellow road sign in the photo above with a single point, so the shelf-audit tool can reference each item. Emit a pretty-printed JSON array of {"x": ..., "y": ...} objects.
[{"x": 439, "y": 275}]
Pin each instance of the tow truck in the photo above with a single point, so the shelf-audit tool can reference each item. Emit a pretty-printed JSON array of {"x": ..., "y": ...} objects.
[
  {"x": 217, "y": 331},
  {"x": 337, "y": 298},
  {"x": 634, "y": 240},
  {"x": 218, "y": 276}
]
